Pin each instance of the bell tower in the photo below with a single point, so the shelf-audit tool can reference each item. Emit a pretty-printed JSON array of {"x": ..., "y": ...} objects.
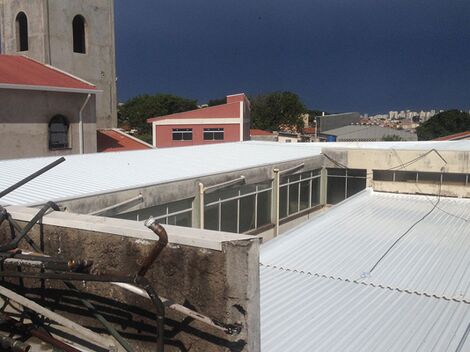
[{"x": 76, "y": 36}]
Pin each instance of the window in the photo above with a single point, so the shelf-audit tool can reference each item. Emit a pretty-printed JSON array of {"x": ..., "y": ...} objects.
[
  {"x": 299, "y": 192},
  {"x": 79, "y": 40},
  {"x": 58, "y": 132},
  {"x": 213, "y": 134},
  {"x": 21, "y": 32},
  {"x": 344, "y": 183},
  {"x": 182, "y": 134}
]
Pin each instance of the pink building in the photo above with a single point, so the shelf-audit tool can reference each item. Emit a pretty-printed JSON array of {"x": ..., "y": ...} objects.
[{"x": 229, "y": 122}]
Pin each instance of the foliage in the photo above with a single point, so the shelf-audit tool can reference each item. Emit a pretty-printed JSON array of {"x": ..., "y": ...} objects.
[
  {"x": 214, "y": 102},
  {"x": 136, "y": 111},
  {"x": 444, "y": 124},
  {"x": 270, "y": 111},
  {"x": 391, "y": 138}
]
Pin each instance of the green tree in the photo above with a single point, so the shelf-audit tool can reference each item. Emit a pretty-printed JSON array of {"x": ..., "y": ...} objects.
[
  {"x": 444, "y": 124},
  {"x": 269, "y": 111},
  {"x": 136, "y": 111},
  {"x": 391, "y": 138},
  {"x": 214, "y": 102}
]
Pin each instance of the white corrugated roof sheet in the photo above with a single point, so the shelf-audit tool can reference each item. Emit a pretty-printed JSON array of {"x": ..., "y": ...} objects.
[
  {"x": 89, "y": 174},
  {"x": 318, "y": 292}
]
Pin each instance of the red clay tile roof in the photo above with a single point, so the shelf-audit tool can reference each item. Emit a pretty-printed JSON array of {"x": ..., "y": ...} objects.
[
  {"x": 23, "y": 71},
  {"x": 456, "y": 136},
  {"x": 116, "y": 141},
  {"x": 257, "y": 132},
  {"x": 309, "y": 130},
  {"x": 230, "y": 110}
]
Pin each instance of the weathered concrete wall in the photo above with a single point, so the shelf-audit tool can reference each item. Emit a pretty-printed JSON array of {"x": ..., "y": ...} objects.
[
  {"x": 216, "y": 274},
  {"x": 25, "y": 116},
  {"x": 50, "y": 41},
  {"x": 370, "y": 159}
]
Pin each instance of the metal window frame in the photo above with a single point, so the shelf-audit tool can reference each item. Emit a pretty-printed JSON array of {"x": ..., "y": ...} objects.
[
  {"x": 212, "y": 132},
  {"x": 298, "y": 182},
  {"x": 182, "y": 131}
]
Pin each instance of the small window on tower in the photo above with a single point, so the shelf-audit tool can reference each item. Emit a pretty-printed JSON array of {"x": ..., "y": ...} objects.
[
  {"x": 21, "y": 32},
  {"x": 79, "y": 40}
]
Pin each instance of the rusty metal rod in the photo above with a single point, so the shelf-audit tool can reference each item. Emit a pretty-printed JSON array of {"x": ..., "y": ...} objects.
[
  {"x": 37, "y": 333},
  {"x": 159, "y": 246},
  {"x": 31, "y": 177},
  {"x": 9, "y": 344},
  {"x": 13, "y": 244},
  {"x": 87, "y": 304},
  {"x": 106, "y": 277}
]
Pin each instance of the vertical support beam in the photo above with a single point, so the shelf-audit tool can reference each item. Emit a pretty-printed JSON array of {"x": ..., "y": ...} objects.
[
  {"x": 323, "y": 186},
  {"x": 198, "y": 207},
  {"x": 275, "y": 201}
]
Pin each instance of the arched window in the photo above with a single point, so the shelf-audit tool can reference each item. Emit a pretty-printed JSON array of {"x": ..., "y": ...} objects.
[
  {"x": 21, "y": 32},
  {"x": 58, "y": 132},
  {"x": 79, "y": 40}
]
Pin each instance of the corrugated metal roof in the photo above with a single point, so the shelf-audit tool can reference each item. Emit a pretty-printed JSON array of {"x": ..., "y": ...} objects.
[
  {"x": 84, "y": 175},
  {"x": 304, "y": 313},
  {"x": 89, "y": 174},
  {"x": 359, "y": 132},
  {"x": 316, "y": 279}
]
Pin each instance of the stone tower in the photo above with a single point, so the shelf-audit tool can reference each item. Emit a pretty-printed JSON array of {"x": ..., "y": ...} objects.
[{"x": 76, "y": 36}]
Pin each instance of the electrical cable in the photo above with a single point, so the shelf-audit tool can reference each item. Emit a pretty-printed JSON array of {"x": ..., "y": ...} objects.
[{"x": 407, "y": 232}]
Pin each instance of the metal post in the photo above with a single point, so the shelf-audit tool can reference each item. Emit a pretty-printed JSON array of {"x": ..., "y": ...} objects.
[
  {"x": 323, "y": 186},
  {"x": 275, "y": 201},
  {"x": 201, "y": 205}
]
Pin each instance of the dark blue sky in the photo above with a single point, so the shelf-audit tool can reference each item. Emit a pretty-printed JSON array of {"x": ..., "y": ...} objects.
[{"x": 338, "y": 55}]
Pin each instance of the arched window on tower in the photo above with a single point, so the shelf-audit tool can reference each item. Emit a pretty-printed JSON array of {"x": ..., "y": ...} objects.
[
  {"x": 59, "y": 133},
  {"x": 21, "y": 32},
  {"x": 79, "y": 35}
]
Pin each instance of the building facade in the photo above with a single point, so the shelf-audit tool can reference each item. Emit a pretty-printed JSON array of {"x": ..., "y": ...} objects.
[
  {"x": 44, "y": 112},
  {"x": 76, "y": 36},
  {"x": 228, "y": 122}
]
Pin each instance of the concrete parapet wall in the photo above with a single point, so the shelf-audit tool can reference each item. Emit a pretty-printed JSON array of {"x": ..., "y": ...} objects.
[{"x": 214, "y": 273}]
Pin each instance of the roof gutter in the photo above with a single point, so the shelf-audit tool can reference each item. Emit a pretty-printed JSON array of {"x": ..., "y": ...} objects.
[{"x": 49, "y": 88}]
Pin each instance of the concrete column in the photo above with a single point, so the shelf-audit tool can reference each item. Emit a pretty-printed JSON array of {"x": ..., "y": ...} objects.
[
  {"x": 198, "y": 207},
  {"x": 323, "y": 186}
]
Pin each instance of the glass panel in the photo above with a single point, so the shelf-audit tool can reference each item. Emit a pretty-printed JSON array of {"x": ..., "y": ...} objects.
[
  {"x": 383, "y": 175},
  {"x": 143, "y": 214},
  {"x": 405, "y": 176},
  {"x": 264, "y": 208},
  {"x": 429, "y": 177},
  {"x": 355, "y": 185},
  {"x": 304, "y": 194},
  {"x": 338, "y": 172},
  {"x": 316, "y": 191},
  {"x": 184, "y": 219},
  {"x": 294, "y": 198},
  {"x": 282, "y": 202},
  {"x": 247, "y": 213},
  {"x": 357, "y": 172},
  {"x": 454, "y": 179},
  {"x": 336, "y": 189},
  {"x": 211, "y": 217},
  {"x": 229, "y": 216},
  {"x": 180, "y": 205}
]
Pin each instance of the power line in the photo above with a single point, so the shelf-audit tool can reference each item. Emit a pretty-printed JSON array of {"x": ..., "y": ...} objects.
[{"x": 407, "y": 232}]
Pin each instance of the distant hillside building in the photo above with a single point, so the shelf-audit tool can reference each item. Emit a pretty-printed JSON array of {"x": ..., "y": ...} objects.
[
  {"x": 228, "y": 122},
  {"x": 44, "y": 111},
  {"x": 360, "y": 133},
  {"x": 76, "y": 36},
  {"x": 329, "y": 122}
]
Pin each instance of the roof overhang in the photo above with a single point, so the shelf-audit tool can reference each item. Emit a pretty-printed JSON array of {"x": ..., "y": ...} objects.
[{"x": 49, "y": 88}]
